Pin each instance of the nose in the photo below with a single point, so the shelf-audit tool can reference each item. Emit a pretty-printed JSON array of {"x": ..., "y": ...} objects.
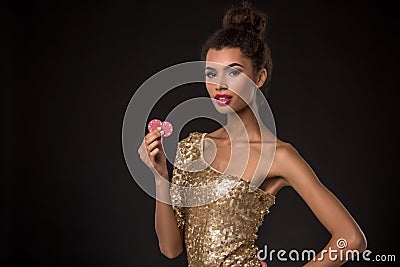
[
  {"x": 221, "y": 83},
  {"x": 221, "y": 87}
]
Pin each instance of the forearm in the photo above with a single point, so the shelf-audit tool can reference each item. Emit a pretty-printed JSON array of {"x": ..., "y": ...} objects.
[
  {"x": 170, "y": 237},
  {"x": 337, "y": 252}
]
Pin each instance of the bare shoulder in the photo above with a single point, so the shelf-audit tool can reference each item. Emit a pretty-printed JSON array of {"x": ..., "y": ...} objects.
[
  {"x": 285, "y": 150},
  {"x": 276, "y": 176},
  {"x": 217, "y": 134},
  {"x": 285, "y": 155},
  {"x": 291, "y": 166}
]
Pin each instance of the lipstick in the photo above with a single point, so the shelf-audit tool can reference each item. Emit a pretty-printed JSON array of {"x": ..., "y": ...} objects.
[{"x": 223, "y": 99}]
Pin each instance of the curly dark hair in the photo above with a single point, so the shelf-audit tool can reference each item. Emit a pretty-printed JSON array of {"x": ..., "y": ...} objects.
[{"x": 243, "y": 28}]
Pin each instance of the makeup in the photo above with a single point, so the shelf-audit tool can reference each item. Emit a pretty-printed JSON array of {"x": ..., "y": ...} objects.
[{"x": 223, "y": 99}]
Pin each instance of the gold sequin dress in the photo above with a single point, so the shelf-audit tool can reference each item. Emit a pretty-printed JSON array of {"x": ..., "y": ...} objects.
[{"x": 221, "y": 219}]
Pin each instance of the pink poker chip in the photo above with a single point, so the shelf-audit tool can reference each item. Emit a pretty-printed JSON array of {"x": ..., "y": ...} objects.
[
  {"x": 154, "y": 124},
  {"x": 166, "y": 126}
]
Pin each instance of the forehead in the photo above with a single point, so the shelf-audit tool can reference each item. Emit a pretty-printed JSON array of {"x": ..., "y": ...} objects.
[{"x": 227, "y": 56}]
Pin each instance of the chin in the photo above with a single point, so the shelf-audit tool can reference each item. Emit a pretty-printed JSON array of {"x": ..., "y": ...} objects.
[
  {"x": 227, "y": 109},
  {"x": 224, "y": 110}
]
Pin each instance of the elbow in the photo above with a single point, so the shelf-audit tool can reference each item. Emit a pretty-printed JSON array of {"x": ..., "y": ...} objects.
[
  {"x": 358, "y": 241},
  {"x": 171, "y": 253},
  {"x": 361, "y": 243}
]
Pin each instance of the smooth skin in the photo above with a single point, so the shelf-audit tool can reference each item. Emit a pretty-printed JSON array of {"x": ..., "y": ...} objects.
[{"x": 288, "y": 169}]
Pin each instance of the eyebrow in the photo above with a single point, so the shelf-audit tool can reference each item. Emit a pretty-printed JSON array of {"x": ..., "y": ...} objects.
[{"x": 226, "y": 67}]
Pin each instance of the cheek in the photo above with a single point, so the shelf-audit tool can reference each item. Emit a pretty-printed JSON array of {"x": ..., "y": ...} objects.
[
  {"x": 243, "y": 88},
  {"x": 209, "y": 87},
  {"x": 243, "y": 98}
]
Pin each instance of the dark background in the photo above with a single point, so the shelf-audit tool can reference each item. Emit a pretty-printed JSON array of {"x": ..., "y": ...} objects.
[{"x": 71, "y": 67}]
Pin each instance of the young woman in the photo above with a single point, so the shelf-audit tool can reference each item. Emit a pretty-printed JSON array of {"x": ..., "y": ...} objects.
[{"x": 223, "y": 232}]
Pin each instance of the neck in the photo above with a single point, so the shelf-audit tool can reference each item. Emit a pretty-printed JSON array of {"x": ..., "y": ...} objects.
[{"x": 244, "y": 122}]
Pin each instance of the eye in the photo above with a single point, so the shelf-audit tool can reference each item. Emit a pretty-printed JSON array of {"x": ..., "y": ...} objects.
[
  {"x": 234, "y": 73},
  {"x": 210, "y": 74}
]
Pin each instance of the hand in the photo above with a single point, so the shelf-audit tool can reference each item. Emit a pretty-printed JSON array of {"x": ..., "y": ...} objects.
[
  {"x": 263, "y": 264},
  {"x": 152, "y": 153}
]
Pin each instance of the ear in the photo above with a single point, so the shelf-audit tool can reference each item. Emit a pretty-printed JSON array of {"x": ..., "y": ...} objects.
[{"x": 262, "y": 77}]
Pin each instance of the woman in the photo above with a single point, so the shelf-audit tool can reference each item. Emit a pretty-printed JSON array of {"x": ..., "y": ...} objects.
[{"x": 222, "y": 233}]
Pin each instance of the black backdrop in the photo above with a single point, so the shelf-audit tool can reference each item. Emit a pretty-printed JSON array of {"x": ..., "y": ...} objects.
[{"x": 71, "y": 68}]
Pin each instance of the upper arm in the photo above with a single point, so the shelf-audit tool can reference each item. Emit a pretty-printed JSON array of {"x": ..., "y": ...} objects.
[{"x": 328, "y": 209}]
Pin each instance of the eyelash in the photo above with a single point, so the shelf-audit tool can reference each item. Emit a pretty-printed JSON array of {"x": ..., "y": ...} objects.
[
  {"x": 234, "y": 72},
  {"x": 212, "y": 74}
]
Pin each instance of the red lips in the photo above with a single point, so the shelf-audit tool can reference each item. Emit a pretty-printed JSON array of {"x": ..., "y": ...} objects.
[
  {"x": 219, "y": 96},
  {"x": 223, "y": 99}
]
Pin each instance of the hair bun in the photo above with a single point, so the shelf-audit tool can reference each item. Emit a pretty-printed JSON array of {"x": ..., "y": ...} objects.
[{"x": 246, "y": 18}]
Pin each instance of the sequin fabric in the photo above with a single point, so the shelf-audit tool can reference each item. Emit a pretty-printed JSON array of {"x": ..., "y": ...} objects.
[{"x": 221, "y": 232}]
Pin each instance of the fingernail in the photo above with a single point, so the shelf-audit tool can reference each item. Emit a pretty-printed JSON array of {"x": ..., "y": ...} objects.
[
  {"x": 162, "y": 133},
  {"x": 159, "y": 128}
]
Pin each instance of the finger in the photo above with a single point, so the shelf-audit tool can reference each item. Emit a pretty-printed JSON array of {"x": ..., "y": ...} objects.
[
  {"x": 150, "y": 137},
  {"x": 153, "y": 145},
  {"x": 154, "y": 153}
]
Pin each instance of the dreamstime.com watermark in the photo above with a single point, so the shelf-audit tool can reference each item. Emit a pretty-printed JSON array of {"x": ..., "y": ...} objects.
[{"x": 339, "y": 254}]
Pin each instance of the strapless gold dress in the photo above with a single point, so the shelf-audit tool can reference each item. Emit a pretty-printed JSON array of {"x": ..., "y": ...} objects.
[{"x": 221, "y": 219}]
